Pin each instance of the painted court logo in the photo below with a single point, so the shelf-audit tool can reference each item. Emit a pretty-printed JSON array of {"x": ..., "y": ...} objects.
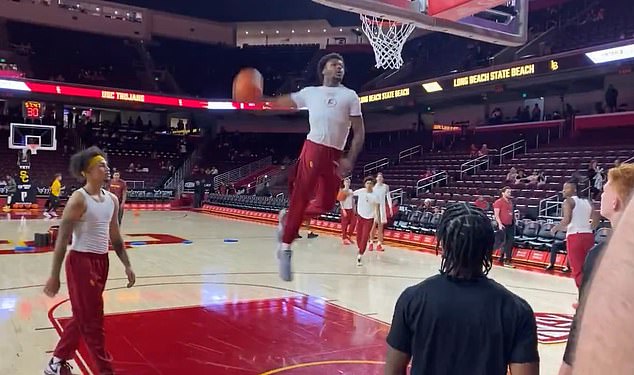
[{"x": 553, "y": 328}]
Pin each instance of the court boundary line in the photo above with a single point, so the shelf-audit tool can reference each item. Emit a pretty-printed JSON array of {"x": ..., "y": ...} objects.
[{"x": 81, "y": 363}]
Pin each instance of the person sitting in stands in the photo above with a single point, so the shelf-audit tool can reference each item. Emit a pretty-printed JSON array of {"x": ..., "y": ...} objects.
[
  {"x": 427, "y": 206},
  {"x": 521, "y": 177},
  {"x": 484, "y": 150},
  {"x": 537, "y": 178},
  {"x": 131, "y": 168},
  {"x": 481, "y": 203},
  {"x": 511, "y": 177},
  {"x": 473, "y": 150},
  {"x": 196, "y": 169}
]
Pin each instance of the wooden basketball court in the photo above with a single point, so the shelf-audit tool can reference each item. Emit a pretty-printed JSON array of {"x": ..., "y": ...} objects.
[{"x": 216, "y": 307}]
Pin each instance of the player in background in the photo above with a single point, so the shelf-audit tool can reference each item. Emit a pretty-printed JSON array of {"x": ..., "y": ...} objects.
[
  {"x": 617, "y": 193},
  {"x": 119, "y": 188},
  {"x": 332, "y": 110},
  {"x": 367, "y": 203},
  {"x": 12, "y": 188},
  {"x": 382, "y": 191},
  {"x": 579, "y": 219},
  {"x": 348, "y": 216},
  {"x": 53, "y": 199},
  {"x": 91, "y": 216},
  {"x": 460, "y": 321}
]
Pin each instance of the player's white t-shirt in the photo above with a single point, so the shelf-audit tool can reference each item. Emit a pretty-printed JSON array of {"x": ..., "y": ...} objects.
[
  {"x": 329, "y": 111},
  {"x": 366, "y": 203},
  {"x": 349, "y": 201}
]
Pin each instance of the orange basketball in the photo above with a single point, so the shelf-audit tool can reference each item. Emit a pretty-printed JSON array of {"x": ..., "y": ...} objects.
[
  {"x": 341, "y": 196},
  {"x": 248, "y": 86}
]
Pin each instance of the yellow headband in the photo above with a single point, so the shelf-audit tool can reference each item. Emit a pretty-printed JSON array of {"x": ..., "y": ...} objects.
[{"x": 93, "y": 162}]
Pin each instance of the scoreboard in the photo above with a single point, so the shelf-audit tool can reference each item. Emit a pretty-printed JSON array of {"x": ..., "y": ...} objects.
[{"x": 33, "y": 110}]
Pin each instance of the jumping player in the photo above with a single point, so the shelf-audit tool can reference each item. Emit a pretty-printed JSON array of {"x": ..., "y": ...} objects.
[
  {"x": 119, "y": 188},
  {"x": 460, "y": 321},
  {"x": 367, "y": 204},
  {"x": 91, "y": 215},
  {"x": 348, "y": 216},
  {"x": 578, "y": 215},
  {"x": 333, "y": 110},
  {"x": 382, "y": 191}
]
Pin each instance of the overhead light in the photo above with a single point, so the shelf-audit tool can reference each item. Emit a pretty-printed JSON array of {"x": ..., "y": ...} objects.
[
  {"x": 308, "y": 30},
  {"x": 340, "y": 30},
  {"x": 261, "y": 31},
  {"x": 97, "y": 9},
  {"x": 277, "y": 31},
  {"x": 432, "y": 86},
  {"x": 324, "y": 30},
  {"x": 246, "y": 32},
  {"x": 293, "y": 31},
  {"x": 115, "y": 12},
  {"x": 612, "y": 54}
]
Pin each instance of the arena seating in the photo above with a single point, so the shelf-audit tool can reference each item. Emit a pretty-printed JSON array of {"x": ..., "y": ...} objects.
[
  {"x": 208, "y": 70},
  {"x": 530, "y": 234},
  {"x": 607, "y": 21},
  {"x": 51, "y": 49}
]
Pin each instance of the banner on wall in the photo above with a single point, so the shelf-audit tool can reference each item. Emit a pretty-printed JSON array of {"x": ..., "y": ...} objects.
[{"x": 27, "y": 192}]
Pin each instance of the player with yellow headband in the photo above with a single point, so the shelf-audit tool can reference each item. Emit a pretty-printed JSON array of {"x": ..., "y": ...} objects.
[{"x": 91, "y": 217}]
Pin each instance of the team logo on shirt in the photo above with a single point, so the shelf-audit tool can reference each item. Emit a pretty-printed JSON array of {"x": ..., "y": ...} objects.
[
  {"x": 553, "y": 328},
  {"x": 331, "y": 102}
]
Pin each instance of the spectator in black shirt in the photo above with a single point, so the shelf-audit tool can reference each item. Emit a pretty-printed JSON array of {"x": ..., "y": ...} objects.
[
  {"x": 461, "y": 322},
  {"x": 617, "y": 192}
]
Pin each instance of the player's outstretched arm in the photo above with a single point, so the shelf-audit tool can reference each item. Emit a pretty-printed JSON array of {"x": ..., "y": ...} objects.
[
  {"x": 281, "y": 102},
  {"x": 117, "y": 243},
  {"x": 73, "y": 211},
  {"x": 358, "y": 137}
]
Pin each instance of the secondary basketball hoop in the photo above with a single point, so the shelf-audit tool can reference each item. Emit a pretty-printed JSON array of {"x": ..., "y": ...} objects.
[{"x": 387, "y": 38}]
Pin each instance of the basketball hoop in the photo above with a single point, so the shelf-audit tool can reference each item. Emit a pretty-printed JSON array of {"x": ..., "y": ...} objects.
[{"x": 387, "y": 38}]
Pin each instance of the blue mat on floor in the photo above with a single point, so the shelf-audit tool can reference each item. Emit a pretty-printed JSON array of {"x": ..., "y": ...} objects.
[
  {"x": 138, "y": 243},
  {"x": 23, "y": 248},
  {"x": 230, "y": 240}
]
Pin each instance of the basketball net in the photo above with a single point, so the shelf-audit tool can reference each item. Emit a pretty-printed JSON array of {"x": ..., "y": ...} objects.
[
  {"x": 387, "y": 38},
  {"x": 33, "y": 148}
]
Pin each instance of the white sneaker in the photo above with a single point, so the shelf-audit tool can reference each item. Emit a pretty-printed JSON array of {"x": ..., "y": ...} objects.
[
  {"x": 58, "y": 368},
  {"x": 46, "y": 214},
  {"x": 359, "y": 264},
  {"x": 53, "y": 213}
]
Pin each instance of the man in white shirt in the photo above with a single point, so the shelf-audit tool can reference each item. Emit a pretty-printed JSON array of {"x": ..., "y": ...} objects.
[
  {"x": 348, "y": 217},
  {"x": 367, "y": 205},
  {"x": 333, "y": 110}
]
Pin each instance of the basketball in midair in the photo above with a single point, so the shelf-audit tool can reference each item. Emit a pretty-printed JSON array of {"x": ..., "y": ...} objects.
[{"x": 248, "y": 85}]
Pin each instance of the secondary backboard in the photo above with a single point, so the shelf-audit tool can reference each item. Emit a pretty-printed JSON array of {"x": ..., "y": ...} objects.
[
  {"x": 494, "y": 21},
  {"x": 25, "y": 136}
]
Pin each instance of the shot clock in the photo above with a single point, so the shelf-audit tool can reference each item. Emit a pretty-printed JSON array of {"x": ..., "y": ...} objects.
[{"x": 33, "y": 110}]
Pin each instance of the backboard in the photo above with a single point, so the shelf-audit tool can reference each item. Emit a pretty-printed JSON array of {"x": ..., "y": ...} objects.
[
  {"x": 502, "y": 22},
  {"x": 27, "y": 136}
]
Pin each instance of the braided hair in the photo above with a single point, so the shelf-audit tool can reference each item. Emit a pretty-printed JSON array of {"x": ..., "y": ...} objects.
[{"x": 466, "y": 237}]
